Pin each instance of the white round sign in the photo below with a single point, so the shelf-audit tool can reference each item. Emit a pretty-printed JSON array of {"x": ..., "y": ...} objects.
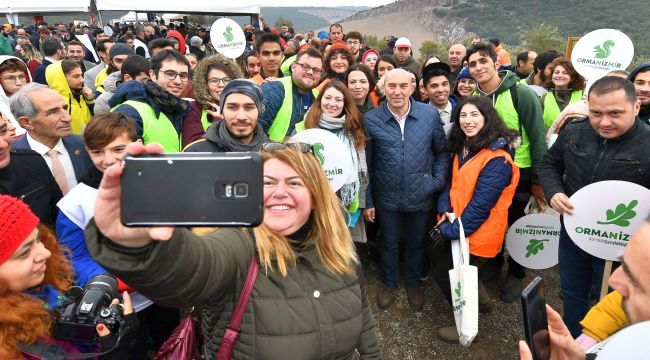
[
  {"x": 602, "y": 51},
  {"x": 533, "y": 241},
  {"x": 334, "y": 156},
  {"x": 228, "y": 38},
  {"x": 629, "y": 343},
  {"x": 605, "y": 214}
]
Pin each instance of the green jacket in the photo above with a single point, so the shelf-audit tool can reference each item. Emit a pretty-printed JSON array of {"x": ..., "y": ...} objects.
[
  {"x": 5, "y": 45},
  {"x": 309, "y": 314},
  {"x": 527, "y": 116}
]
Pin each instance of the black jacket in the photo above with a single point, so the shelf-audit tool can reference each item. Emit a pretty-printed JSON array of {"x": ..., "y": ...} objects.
[
  {"x": 28, "y": 178},
  {"x": 585, "y": 158}
]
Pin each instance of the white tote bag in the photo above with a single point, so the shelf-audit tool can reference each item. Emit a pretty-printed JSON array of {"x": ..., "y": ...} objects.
[{"x": 463, "y": 279}]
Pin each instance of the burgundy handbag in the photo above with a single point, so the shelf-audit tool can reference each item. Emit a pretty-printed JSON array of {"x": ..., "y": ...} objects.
[{"x": 184, "y": 342}]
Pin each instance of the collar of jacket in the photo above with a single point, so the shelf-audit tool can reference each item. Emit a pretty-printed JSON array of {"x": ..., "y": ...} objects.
[{"x": 416, "y": 111}]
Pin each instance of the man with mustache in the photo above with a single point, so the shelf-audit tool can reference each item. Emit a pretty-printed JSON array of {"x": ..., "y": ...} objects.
[
  {"x": 44, "y": 114},
  {"x": 242, "y": 103},
  {"x": 24, "y": 175}
]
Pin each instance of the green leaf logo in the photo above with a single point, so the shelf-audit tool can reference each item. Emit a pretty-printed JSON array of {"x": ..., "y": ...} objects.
[
  {"x": 457, "y": 290},
  {"x": 602, "y": 52},
  {"x": 318, "y": 151},
  {"x": 535, "y": 246},
  {"x": 228, "y": 34},
  {"x": 620, "y": 216}
]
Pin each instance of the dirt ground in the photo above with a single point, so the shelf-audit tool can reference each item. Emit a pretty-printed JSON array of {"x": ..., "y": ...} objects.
[{"x": 407, "y": 335}]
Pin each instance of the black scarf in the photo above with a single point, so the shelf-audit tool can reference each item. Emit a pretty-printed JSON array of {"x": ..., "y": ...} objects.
[
  {"x": 225, "y": 140},
  {"x": 166, "y": 101}
]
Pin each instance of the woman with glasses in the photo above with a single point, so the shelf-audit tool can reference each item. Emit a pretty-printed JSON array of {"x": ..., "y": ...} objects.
[
  {"x": 308, "y": 301},
  {"x": 336, "y": 111},
  {"x": 212, "y": 74},
  {"x": 464, "y": 86},
  {"x": 370, "y": 58}
]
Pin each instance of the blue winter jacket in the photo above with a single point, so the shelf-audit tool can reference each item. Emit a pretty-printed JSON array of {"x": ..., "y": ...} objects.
[
  {"x": 405, "y": 171},
  {"x": 493, "y": 179},
  {"x": 72, "y": 236}
]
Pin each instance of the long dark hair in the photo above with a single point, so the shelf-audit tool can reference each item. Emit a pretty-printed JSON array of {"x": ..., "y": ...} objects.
[
  {"x": 385, "y": 58},
  {"x": 492, "y": 130}
]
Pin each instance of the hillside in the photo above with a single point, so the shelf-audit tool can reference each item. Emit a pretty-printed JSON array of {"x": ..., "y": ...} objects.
[
  {"x": 454, "y": 19},
  {"x": 309, "y": 18}
]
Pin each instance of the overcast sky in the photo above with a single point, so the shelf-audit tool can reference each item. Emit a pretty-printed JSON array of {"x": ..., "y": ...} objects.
[{"x": 330, "y": 3}]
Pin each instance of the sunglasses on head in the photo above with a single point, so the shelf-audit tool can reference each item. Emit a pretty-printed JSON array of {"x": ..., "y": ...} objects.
[{"x": 273, "y": 146}]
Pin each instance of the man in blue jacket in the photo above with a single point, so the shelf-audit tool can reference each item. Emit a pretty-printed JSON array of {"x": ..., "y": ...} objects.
[{"x": 408, "y": 164}]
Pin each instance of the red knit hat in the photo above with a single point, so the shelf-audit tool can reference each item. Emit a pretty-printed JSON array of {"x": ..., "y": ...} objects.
[{"x": 17, "y": 221}]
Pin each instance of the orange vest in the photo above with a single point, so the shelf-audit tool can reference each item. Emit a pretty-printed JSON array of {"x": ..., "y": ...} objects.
[{"x": 486, "y": 241}]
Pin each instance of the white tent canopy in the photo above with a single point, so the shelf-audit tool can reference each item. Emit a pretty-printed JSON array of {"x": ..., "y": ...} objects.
[
  {"x": 45, "y": 6},
  {"x": 130, "y": 17},
  {"x": 242, "y": 7}
]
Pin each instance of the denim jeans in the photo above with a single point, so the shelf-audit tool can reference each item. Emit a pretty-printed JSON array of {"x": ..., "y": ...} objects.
[
  {"x": 579, "y": 273},
  {"x": 391, "y": 225}
]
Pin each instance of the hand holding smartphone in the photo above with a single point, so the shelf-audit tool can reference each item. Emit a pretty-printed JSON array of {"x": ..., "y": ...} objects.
[
  {"x": 533, "y": 304},
  {"x": 192, "y": 189}
]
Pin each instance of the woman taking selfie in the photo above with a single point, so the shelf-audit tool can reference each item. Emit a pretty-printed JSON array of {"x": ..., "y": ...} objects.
[
  {"x": 308, "y": 300},
  {"x": 482, "y": 183},
  {"x": 34, "y": 274},
  {"x": 335, "y": 111}
]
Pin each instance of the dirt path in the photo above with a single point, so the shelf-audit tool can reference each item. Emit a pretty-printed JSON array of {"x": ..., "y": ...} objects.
[{"x": 413, "y": 336}]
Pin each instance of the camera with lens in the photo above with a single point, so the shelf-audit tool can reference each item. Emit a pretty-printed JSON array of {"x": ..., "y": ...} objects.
[{"x": 84, "y": 308}]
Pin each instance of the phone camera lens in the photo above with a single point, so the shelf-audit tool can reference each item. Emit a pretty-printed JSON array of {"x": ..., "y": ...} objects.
[{"x": 241, "y": 190}]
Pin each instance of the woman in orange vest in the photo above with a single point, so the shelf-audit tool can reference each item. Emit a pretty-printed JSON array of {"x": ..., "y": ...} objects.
[{"x": 481, "y": 187}]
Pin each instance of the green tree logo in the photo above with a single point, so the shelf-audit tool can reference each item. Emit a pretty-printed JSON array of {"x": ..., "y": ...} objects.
[
  {"x": 602, "y": 52},
  {"x": 457, "y": 290},
  {"x": 318, "y": 149},
  {"x": 535, "y": 246},
  {"x": 620, "y": 216},
  {"x": 228, "y": 34}
]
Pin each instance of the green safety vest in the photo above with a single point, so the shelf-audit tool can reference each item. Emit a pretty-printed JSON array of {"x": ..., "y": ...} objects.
[
  {"x": 163, "y": 132},
  {"x": 354, "y": 205},
  {"x": 551, "y": 108},
  {"x": 280, "y": 124},
  {"x": 506, "y": 110},
  {"x": 204, "y": 120}
]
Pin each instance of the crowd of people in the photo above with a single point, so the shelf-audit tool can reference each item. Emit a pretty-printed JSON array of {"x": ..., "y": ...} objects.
[{"x": 470, "y": 136}]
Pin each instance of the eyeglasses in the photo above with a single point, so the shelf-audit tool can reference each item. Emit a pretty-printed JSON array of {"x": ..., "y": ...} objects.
[
  {"x": 467, "y": 81},
  {"x": 15, "y": 79},
  {"x": 171, "y": 75},
  {"x": 273, "y": 146},
  {"x": 217, "y": 81},
  {"x": 306, "y": 68},
  {"x": 353, "y": 43}
]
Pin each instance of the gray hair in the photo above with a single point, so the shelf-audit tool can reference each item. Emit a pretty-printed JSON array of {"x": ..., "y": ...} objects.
[{"x": 21, "y": 103}]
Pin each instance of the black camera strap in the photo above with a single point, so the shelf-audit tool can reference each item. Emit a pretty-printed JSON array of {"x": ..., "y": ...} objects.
[{"x": 54, "y": 352}]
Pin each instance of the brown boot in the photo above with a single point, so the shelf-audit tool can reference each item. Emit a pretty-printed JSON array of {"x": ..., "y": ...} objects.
[
  {"x": 485, "y": 304},
  {"x": 415, "y": 296},
  {"x": 385, "y": 296},
  {"x": 448, "y": 334}
]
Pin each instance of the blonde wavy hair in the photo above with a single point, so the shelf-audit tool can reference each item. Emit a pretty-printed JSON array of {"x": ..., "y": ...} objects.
[{"x": 329, "y": 232}]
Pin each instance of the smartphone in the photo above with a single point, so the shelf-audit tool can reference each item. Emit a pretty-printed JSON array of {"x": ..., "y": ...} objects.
[
  {"x": 533, "y": 305},
  {"x": 193, "y": 189}
]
